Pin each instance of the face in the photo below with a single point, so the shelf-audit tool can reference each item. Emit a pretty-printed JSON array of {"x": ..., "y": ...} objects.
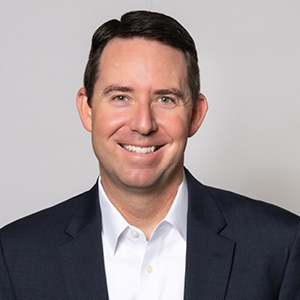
[{"x": 141, "y": 114}]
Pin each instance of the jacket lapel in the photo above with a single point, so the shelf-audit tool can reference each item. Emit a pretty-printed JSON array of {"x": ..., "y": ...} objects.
[
  {"x": 82, "y": 258},
  {"x": 209, "y": 255}
]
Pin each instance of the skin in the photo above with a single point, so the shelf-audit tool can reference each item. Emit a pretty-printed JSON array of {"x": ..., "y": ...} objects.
[{"x": 141, "y": 99}]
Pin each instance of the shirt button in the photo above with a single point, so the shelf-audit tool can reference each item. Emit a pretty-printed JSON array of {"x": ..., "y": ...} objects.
[
  {"x": 135, "y": 233},
  {"x": 149, "y": 269}
]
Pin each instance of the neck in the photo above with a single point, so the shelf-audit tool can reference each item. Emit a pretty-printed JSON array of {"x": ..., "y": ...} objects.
[{"x": 142, "y": 208}]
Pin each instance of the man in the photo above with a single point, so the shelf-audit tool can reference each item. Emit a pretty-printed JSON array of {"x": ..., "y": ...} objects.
[{"x": 148, "y": 229}]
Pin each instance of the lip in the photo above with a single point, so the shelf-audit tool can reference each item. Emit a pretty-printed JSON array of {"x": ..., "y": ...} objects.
[{"x": 140, "y": 149}]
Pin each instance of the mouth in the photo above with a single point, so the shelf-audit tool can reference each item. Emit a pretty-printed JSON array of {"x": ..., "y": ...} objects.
[{"x": 140, "y": 150}]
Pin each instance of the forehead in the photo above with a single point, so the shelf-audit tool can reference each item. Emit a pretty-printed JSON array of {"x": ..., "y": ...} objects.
[
  {"x": 135, "y": 57},
  {"x": 139, "y": 43}
]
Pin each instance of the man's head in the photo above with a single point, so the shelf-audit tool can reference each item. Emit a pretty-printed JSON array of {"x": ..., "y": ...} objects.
[
  {"x": 150, "y": 26},
  {"x": 141, "y": 113}
]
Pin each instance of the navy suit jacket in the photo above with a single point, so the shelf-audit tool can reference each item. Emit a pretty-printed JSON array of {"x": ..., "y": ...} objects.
[{"x": 237, "y": 249}]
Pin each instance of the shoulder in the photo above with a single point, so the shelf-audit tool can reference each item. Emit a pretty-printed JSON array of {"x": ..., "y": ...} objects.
[
  {"x": 253, "y": 222},
  {"x": 243, "y": 215},
  {"x": 50, "y": 222},
  {"x": 244, "y": 209}
]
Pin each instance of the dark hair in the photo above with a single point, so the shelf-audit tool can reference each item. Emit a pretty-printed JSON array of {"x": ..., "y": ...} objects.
[{"x": 148, "y": 25}]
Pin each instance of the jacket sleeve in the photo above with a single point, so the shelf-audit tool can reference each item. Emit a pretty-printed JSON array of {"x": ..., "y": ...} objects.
[
  {"x": 290, "y": 288},
  {"x": 6, "y": 290}
]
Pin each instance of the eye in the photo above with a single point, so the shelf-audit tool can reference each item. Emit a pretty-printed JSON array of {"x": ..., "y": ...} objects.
[
  {"x": 165, "y": 100},
  {"x": 120, "y": 98}
]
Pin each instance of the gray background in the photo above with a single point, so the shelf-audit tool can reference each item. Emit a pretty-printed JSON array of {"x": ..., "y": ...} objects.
[{"x": 250, "y": 72}]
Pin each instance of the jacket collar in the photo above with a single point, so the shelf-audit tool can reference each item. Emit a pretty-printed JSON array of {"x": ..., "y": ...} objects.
[
  {"x": 86, "y": 213},
  {"x": 202, "y": 206},
  {"x": 82, "y": 258},
  {"x": 209, "y": 255}
]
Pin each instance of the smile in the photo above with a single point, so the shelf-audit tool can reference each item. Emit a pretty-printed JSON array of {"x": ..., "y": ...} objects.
[{"x": 140, "y": 150}]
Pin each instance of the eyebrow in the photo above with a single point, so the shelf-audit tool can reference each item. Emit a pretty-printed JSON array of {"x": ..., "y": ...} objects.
[
  {"x": 174, "y": 92},
  {"x": 116, "y": 88}
]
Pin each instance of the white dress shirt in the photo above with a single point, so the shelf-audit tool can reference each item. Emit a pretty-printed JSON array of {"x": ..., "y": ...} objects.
[{"x": 137, "y": 269}]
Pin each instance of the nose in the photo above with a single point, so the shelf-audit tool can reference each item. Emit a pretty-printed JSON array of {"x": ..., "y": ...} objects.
[{"x": 143, "y": 120}]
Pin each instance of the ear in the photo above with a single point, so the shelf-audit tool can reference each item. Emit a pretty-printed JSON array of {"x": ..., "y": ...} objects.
[
  {"x": 85, "y": 111},
  {"x": 198, "y": 113}
]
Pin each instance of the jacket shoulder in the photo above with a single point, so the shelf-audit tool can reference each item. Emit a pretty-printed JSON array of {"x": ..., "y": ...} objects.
[
  {"x": 235, "y": 204},
  {"x": 255, "y": 220},
  {"x": 242, "y": 214},
  {"x": 45, "y": 223}
]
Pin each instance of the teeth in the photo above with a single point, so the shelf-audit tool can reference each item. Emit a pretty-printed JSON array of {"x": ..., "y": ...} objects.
[{"x": 139, "y": 150}]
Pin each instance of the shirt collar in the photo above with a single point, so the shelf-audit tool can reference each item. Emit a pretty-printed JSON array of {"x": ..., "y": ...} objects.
[
  {"x": 113, "y": 223},
  {"x": 177, "y": 215}
]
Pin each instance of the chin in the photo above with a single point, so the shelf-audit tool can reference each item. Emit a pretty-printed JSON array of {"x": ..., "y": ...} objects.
[{"x": 139, "y": 179}]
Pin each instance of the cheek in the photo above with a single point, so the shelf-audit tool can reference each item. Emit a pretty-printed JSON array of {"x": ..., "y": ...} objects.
[
  {"x": 175, "y": 125},
  {"x": 106, "y": 122}
]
